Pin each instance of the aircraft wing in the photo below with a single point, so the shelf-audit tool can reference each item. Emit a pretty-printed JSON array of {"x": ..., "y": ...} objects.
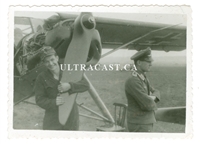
[{"x": 115, "y": 33}]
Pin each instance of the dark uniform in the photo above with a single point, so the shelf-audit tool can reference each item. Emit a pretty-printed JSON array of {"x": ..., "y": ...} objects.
[
  {"x": 140, "y": 114},
  {"x": 46, "y": 91}
]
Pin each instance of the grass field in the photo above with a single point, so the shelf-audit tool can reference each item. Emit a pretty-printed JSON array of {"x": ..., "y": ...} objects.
[{"x": 170, "y": 80}]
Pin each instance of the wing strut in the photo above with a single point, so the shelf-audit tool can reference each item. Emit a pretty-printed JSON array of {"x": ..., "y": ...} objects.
[
  {"x": 97, "y": 99},
  {"x": 134, "y": 40}
]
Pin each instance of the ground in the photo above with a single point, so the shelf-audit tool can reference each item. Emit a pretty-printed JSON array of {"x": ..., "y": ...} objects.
[{"x": 170, "y": 80}]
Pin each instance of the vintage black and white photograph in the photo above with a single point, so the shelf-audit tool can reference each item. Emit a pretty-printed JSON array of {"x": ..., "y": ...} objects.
[{"x": 100, "y": 71}]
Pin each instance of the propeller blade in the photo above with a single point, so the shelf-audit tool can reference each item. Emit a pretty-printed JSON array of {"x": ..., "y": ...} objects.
[{"x": 77, "y": 53}]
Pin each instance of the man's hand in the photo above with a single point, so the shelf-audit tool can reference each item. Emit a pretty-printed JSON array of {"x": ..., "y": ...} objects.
[
  {"x": 153, "y": 97},
  {"x": 63, "y": 87},
  {"x": 59, "y": 100},
  {"x": 157, "y": 94}
]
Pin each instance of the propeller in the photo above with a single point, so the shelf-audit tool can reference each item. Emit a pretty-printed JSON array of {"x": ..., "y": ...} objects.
[{"x": 85, "y": 37}]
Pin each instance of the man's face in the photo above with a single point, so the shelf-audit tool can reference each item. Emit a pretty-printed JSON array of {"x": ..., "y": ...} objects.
[
  {"x": 51, "y": 62},
  {"x": 145, "y": 65}
]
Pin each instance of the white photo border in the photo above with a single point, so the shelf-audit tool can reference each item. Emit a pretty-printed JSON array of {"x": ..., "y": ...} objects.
[{"x": 80, "y": 134}]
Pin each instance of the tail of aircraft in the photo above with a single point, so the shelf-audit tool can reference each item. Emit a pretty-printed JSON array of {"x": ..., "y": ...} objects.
[{"x": 171, "y": 114}]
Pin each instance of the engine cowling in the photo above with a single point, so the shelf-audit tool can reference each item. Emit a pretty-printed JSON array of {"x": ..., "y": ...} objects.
[{"x": 60, "y": 37}]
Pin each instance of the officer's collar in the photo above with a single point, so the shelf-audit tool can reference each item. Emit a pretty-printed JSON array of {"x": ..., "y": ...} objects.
[{"x": 139, "y": 74}]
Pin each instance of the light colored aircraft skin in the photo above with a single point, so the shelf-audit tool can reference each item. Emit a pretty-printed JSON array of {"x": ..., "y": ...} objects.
[{"x": 157, "y": 36}]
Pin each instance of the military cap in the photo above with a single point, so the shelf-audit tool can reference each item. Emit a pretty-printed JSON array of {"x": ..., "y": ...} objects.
[
  {"x": 46, "y": 51},
  {"x": 144, "y": 55}
]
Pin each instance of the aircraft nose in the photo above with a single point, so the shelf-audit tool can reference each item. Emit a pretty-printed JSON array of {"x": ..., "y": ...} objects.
[{"x": 88, "y": 21}]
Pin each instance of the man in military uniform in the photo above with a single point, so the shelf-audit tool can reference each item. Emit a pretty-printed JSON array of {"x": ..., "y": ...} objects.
[
  {"x": 47, "y": 90},
  {"x": 141, "y": 96}
]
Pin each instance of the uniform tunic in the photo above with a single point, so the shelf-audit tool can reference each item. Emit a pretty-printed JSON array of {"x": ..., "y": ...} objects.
[
  {"x": 46, "y": 91},
  {"x": 140, "y": 106}
]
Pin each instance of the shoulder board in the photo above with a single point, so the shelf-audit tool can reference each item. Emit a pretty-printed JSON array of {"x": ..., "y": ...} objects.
[{"x": 134, "y": 73}]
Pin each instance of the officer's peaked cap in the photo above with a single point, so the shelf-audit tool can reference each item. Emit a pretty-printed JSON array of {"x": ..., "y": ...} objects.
[{"x": 143, "y": 55}]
